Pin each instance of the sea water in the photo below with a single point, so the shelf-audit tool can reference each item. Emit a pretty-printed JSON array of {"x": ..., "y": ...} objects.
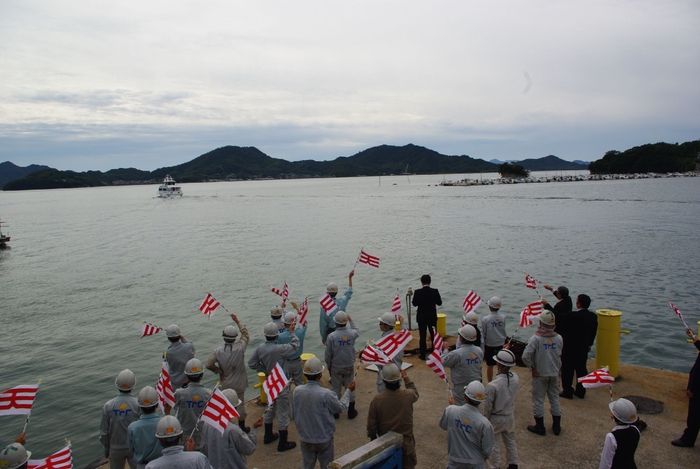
[{"x": 86, "y": 265}]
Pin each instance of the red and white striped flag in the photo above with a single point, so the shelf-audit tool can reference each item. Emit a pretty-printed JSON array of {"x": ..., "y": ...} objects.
[
  {"x": 303, "y": 311},
  {"x": 434, "y": 360},
  {"x": 164, "y": 388},
  {"x": 471, "y": 302},
  {"x": 368, "y": 259},
  {"x": 677, "y": 311},
  {"x": 394, "y": 343},
  {"x": 209, "y": 305},
  {"x": 18, "y": 400},
  {"x": 61, "y": 460},
  {"x": 374, "y": 355},
  {"x": 530, "y": 311},
  {"x": 396, "y": 307},
  {"x": 328, "y": 304},
  {"x": 284, "y": 292},
  {"x": 219, "y": 411},
  {"x": 530, "y": 282},
  {"x": 149, "y": 329},
  {"x": 275, "y": 383},
  {"x": 597, "y": 378}
]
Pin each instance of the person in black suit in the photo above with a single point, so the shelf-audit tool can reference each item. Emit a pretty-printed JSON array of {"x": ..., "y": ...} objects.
[
  {"x": 563, "y": 306},
  {"x": 426, "y": 300},
  {"x": 579, "y": 330},
  {"x": 693, "y": 392}
]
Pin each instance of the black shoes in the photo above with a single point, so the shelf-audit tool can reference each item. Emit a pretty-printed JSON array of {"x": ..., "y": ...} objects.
[
  {"x": 283, "y": 444},
  {"x": 681, "y": 443},
  {"x": 352, "y": 413},
  {"x": 269, "y": 436},
  {"x": 556, "y": 425},
  {"x": 538, "y": 427},
  {"x": 566, "y": 395}
]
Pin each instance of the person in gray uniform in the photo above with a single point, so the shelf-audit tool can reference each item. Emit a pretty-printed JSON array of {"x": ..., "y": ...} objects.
[
  {"x": 314, "y": 409},
  {"x": 464, "y": 362},
  {"x": 325, "y": 322},
  {"x": 229, "y": 450},
  {"x": 228, "y": 361},
  {"x": 191, "y": 400},
  {"x": 266, "y": 356},
  {"x": 141, "y": 434},
  {"x": 493, "y": 328},
  {"x": 178, "y": 354},
  {"x": 293, "y": 362},
  {"x": 340, "y": 357},
  {"x": 14, "y": 456},
  {"x": 469, "y": 434},
  {"x": 117, "y": 415},
  {"x": 276, "y": 316},
  {"x": 499, "y": 407},
  {"x": 543, "y": 356},
  {"x": 169, "y": 434},
  {"x": 386, "y": 324}
]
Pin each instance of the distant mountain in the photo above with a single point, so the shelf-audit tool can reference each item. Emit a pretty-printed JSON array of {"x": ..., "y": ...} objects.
[
  {"x": 233, "y": 162},
  {"x": 583, "y": 163},
  {"x": 499, "y": 162},
  {"x": 550, "y": 163},
  {"x": 10, "y": 171},
  {"x": 651, "y": 158}
]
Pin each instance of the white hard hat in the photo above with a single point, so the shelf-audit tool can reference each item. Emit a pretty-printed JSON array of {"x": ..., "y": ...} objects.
[
  {"x": 388, "y": 318},
  {"x": 313, "y": 367},
  {"x": 194, "y": 367},
  {"x": 271, "y": 330},
  {"x": 495, "y": 302},
  {"x": 471, "y": 318},
  {"x": 547, "y": 318},
  {"x": 276, "y": 312},
  {"x": 173, "y": 331},
  {"x": 505, "y": 357},
  {"x": 168, "y": 427},
  {"x": 125, "y": 380},
  {"x": 232, "y": 396},
  {"x": 332, "y": 287},
  {"x": 14, "y": 456},
  {"x": 391, "y": 373},
  {"x": 290, "y": 317},
  {"x": 341, "y": 318},
  {"x": 230, "y": 332},
  {"x": 475, "y": 391},
  {"x": 625, "y": 411},
  {"x": 148, "y": 397},
  {"x": 468, "y": 333}
]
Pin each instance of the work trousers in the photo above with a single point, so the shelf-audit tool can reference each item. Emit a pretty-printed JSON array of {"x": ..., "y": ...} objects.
[
  {"x": 690, "y": 435},
  {"x": 119, "y": 457},
  {"x": 280, "y": 408},
  {"x": 423, "y": 329},
  {"x": 341, "y": 378},
  {"x": 464, "y": 465},
  {"x": 503, "y": 425},
  {"x": 294, "y": 371},
  {"x": 310, "y": 452},
  {"x": 571, "y": 362},
  {"x": 549, "y": 386}
]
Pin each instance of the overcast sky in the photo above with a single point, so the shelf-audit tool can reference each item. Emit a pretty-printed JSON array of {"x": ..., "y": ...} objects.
[{"x": 101, "y": 85}]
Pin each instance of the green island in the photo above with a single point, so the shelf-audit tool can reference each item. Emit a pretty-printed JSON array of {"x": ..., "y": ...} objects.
[{"x": 232, "y": 163}]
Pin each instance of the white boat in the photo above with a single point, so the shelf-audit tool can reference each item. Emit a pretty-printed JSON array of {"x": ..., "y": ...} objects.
[
  {"x": 169, "y": 188},
  {"x": 4, "y": 238}
]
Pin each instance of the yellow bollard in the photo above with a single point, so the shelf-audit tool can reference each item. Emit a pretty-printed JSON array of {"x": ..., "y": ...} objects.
[
  {"x": 442, "y": 324},
  {"x": 607, "y": 348},
  {"x": 261, "y": 380},
  {"x": 304, "y": 357}
]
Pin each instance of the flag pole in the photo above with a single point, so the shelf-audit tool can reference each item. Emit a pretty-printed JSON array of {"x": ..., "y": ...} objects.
[
  {"x": 205, "y": 406},
  {"x": 358, "y": 258},
  {"x": 26, "y": 422}
]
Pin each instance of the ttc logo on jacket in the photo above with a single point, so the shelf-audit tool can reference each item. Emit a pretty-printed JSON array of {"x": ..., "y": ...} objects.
[
  {"x": 550, "y": 345},
  {"x": 122, "y": 411},
  {"x": 463, "y": 425},
  {"x": 472, "y": 359},
  {"x": 195, "y": 402}
]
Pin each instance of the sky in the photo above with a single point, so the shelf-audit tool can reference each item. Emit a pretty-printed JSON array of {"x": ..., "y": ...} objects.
[{"x": 95, "y": 85}]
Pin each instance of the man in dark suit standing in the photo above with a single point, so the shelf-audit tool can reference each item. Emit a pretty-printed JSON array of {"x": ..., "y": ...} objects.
[
  {"x": 426, "y": 300},
  {"x": 579, "y": 331}
]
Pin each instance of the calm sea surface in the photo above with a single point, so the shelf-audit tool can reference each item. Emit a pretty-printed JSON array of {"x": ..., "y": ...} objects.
[{"x": 85, "y": 265}]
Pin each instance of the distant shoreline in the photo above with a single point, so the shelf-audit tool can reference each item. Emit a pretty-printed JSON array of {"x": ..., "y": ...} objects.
[{"x": 576, "y": 178}]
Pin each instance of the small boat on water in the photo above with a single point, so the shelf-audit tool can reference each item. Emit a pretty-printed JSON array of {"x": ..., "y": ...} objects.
[
  {"x": 4, "y": 237},
  {"x": 169, "y": 188}
]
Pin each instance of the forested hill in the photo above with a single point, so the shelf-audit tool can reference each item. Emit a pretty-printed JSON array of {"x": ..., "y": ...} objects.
[
  {"x": 650, "y": 158},
  {"x": 10, "y": 171},
  {"x": 233, "y": 162}
]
